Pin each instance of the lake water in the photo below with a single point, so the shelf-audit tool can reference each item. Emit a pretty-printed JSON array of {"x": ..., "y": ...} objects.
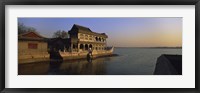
[{"x": 131, "y": 61}]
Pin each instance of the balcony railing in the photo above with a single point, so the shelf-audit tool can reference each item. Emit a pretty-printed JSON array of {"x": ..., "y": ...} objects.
[{"x": 92, "y": 41}]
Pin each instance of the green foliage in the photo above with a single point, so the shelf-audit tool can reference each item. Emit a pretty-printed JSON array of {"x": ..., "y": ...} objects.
[
  {"x": 23, "y": 29},
  {"x": 61, "y": 34}
]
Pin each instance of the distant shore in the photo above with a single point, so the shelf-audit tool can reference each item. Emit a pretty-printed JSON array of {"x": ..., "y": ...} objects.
[{"x": 153, "y": 47}]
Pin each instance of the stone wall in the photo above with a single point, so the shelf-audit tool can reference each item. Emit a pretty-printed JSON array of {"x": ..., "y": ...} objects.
[{"x": 25, "y": 53}]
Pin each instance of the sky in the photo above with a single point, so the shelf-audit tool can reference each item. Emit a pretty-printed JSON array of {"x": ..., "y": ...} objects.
[{"x": 122, "y": 32}]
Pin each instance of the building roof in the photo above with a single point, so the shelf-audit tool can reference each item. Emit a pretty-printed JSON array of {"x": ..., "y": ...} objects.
[
  {"x": 82, "y": 29},
  {"x": 31, "y": 36}
]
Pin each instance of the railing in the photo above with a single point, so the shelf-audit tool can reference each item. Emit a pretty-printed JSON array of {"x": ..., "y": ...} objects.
[{"x": 92, "y": 41}]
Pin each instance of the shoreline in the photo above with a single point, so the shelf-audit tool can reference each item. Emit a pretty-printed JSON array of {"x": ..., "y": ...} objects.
[{"x": 75, "y": 58}]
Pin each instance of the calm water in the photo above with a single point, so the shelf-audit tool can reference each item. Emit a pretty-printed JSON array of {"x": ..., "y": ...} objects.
[{"x": 131, "y": 61}]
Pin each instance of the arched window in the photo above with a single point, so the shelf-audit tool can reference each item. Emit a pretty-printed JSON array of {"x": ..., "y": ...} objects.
[
  {"x": 81, "y": 46},
  {"x": 90, "y": 46},
  {"x": 86, "y": 46},
  {"x": 99, "y": 39},
  {"x": 96, "y": 38}
]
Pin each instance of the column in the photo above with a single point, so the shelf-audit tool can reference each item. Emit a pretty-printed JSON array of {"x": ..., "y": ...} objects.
[
  {"x": 83, "y": 47},
  {"x": 78, "y": 47}
]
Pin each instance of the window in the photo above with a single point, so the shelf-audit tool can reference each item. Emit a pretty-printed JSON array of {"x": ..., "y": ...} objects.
[
  {"x": 81, "y": 37},
  {"x": 32, "y": 46},
  {"x": 81, "y": 34},
  {"x": 96, "y": 38}
]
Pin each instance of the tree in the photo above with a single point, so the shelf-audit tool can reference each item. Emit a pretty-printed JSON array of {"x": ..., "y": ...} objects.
[
  {"x": 61, "y": 34},
  {"x": 23, "y": 29}
]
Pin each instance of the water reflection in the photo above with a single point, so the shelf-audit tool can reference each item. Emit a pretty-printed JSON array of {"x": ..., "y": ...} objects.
[
  {"x": 131, "y": 61},
  {"x": 75, "y": 67},
  {"x": 54, "y": 67}
]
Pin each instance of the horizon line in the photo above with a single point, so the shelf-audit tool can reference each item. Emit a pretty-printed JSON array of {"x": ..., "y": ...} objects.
[{"x": 149, "y": 47}]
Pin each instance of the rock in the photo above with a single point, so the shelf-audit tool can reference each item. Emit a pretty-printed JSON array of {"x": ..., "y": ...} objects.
[{"x": 168, "y": 65}]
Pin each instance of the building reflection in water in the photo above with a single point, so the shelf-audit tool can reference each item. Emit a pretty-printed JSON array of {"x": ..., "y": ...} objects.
[
  {"x": 54, "y": 67},
  {"x": 78, "y": 67}
]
